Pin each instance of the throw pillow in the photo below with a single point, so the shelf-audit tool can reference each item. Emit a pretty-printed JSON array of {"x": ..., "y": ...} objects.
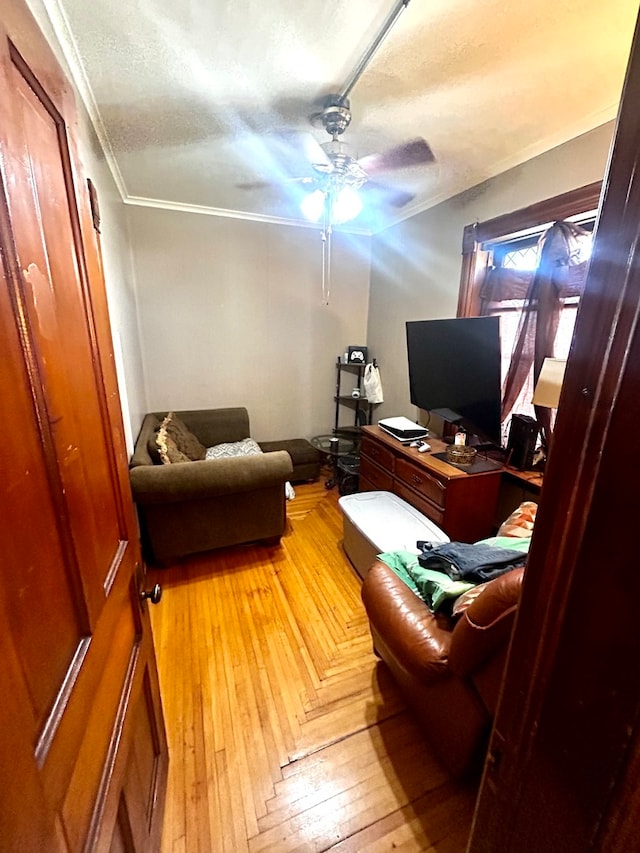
[
  {"x": 520, "y": 522},
  {"x": 153, "y": 449},
  {"x": 467, "y": 598},
  {"x": 169, "y": 452},
  {"x": 185, "y": 441},
  {"x": 246, "y": 447}
]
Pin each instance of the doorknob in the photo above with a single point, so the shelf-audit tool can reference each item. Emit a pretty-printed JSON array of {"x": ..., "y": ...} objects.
[{"x": 154, "y": 594}]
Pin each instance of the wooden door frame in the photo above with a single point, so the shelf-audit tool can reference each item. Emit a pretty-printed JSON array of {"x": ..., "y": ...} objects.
[
  {"x": 25, "y": 47},
  {"x": 564, "y": 758}
]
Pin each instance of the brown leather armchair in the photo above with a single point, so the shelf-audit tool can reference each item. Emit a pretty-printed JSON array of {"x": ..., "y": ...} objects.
[{"x": 449, "y": 670}]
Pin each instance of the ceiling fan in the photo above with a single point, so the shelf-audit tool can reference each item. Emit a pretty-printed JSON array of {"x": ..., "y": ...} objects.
[{"x": 335, "y": 177}]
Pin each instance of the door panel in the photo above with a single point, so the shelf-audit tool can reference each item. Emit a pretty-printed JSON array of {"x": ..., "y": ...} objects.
[
  {"x": 101, "y": 720},
  {"x": 49, "y": 251},
  {"x": 41, "y": 604},
  {"x": 83, "y": 752},
  {"x": 143, "y": 774},
  {"x": 121, "y": 841}
]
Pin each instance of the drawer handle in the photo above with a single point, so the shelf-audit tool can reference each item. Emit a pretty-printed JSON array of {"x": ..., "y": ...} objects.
[{"x": 417, "y": 481}]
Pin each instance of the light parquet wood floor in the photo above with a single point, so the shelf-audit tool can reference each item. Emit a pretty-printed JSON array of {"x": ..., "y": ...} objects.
[{"x": 284, "y": 732}]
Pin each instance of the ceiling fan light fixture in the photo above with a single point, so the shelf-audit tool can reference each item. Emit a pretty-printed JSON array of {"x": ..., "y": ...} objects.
[
  {"x": 347, "y": 204},
  {"x": 312, "y": 205},
  {"x": 335, "y": 206}
]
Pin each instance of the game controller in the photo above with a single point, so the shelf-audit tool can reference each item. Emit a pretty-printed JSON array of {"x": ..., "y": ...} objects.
[{"x": 424, "y": 447}]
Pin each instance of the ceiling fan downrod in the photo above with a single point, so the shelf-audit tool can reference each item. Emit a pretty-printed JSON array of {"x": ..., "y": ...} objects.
[
  {"x": 348, "y": 174},
  {"x": 392, "y": 17}
]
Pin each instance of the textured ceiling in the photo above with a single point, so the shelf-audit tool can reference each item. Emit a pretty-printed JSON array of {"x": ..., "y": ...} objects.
[{"x": 186, "y": 96}]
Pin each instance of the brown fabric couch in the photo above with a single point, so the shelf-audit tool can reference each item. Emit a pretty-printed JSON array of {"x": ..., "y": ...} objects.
[
  {"x": 185, "y": 508},
  {"x": 449, "y": 670}
]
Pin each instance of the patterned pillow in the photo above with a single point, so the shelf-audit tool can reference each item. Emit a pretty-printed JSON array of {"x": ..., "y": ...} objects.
[
  {"x": 520, "y": 522},
  {"x": 185, "y": 441},
  {"x": 246, "y": 447},
  {"x": 467, "y": 598}
]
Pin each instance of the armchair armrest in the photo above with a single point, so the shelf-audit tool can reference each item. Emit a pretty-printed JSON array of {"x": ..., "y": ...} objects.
[
  {"x": 418, "y": 639},
  {"x": 157, "y": 484},
  {"x": 486, "y": 624}
]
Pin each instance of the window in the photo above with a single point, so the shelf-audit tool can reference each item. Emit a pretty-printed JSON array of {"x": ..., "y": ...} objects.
[
  {"x": 525, "y": 258},
  {"x": 499, "y": 260},
  {"x": 514, "y": 262}
]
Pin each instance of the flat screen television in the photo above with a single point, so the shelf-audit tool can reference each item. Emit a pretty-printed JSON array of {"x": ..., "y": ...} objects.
[{"x": 454, "y": 372}]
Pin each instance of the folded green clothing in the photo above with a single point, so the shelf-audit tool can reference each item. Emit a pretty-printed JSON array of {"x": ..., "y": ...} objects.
[
  {"x": 400, "y": 562},
  {"x": 434, "y": 588},
  {"x": 513, "y": 543}
]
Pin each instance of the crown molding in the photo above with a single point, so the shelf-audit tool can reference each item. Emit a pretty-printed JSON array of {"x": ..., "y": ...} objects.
[
  {"x": 68, "y": 46},
  {"x": 203, "y": 210}
]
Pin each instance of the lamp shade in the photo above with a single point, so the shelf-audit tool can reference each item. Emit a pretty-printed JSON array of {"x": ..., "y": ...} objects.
[{"x": 549, "y": 384}]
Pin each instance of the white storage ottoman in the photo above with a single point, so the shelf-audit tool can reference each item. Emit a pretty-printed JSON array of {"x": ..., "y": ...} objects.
[{"x": 375, "y": 522}]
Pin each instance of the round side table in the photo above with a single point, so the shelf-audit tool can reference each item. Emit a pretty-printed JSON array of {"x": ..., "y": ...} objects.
[{"x": 333, "y": 447}]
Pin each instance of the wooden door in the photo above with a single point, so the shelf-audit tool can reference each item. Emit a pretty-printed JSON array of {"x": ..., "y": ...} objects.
[
  {"x": 563, "y": 771},
  {"x": 83, "y": 754}
]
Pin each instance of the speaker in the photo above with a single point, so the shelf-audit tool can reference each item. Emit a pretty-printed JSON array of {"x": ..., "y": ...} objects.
[{"x": 521, "y": 445}]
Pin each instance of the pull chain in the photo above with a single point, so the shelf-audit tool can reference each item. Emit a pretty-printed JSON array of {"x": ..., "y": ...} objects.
[{"x": 326, "y": 250}]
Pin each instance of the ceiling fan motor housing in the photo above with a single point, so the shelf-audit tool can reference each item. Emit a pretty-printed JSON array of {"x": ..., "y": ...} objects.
[{"x": 336, "y": 115}]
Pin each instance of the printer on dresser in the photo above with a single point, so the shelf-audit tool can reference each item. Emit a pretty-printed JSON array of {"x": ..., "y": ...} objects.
[{"x": 462, "y": 503}]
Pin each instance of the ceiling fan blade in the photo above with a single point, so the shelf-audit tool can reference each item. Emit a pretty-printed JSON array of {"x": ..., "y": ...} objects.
[
  {"x": 381, "y": 193},
  {"x": 414, "y": 153},
  {"x": 298, "y": 150},
  {"x": 315, "y": 153},
  {"x": 262, "y": 185}
]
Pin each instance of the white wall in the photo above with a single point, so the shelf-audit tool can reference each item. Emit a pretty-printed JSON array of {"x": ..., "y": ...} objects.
[
  {"x": 120, "y": 286},
  {"x": 231, "y": 315},
  {"x": 415, "y": 267}
]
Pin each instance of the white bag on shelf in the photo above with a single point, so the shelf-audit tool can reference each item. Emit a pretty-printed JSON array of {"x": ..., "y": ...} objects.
[{"x": 372, "y": 384}]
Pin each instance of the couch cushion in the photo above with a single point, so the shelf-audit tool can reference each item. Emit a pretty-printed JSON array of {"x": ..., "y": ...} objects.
[
  {"x": 304, "y": 456},
  {"x": 246, "y": 447}
]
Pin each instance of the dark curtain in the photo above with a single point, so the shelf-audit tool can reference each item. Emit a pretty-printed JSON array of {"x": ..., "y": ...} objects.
[{"x": 559, "y": 274}]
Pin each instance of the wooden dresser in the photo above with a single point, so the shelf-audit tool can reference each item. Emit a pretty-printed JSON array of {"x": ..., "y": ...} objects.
[{"x": 462, "y": 504}]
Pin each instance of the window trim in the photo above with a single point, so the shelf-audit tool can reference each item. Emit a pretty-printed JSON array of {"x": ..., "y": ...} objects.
[{"x": 475, "y": 259}]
